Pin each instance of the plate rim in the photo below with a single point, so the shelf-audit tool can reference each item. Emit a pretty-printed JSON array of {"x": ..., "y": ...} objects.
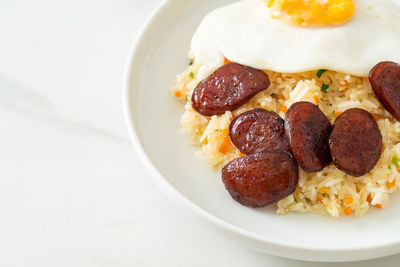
[{"x": 275, "y": 247}]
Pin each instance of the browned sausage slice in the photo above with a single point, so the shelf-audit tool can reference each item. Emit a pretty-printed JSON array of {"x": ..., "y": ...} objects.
[
  {"x": 228, "y": 88},
  {"x": 355, "y": 142},
  {"x": 385, "y": 81},
  {"x": 308, "y": 129},
  {"x": 261, "y": 179},
  {"x": 257, "y": 130}
]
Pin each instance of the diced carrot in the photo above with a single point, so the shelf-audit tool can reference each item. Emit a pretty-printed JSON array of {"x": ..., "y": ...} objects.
[
  {"x": 323, "y": 190},
  {"x": 392, "y": 183},
  {"x": 348, "y": 211},
  {"x": 223, "y": 148},
  {"x": 238, "y": 153},
  {"x": 225, "y": 132},
  {"x": 226, "y": 60},
  {"x": 383, "y": 149},
  {"x": 316, "y": 100},
  {"x": 379, "y": 206},
  {"x": 226, "y": 143},
  {"x": 398, "y": 169},
  {"x": 178, "y": 93},
  {"x": 376, "y": 117},
  {"x": 205, "y": 141},
  {"x": 283, "y": 108},
  {"x": 369, "y": 198},
  {"x": 348, "y": 200},
  {"x": 280, "y": 96},
  {"x": 337, "y": 114}
]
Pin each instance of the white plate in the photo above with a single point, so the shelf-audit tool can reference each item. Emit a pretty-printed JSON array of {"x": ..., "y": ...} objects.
[{"x": 153, "y": 117}]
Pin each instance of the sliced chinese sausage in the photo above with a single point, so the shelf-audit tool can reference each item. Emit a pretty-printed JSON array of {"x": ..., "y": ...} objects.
[
  {"x": 261, "y": 178},
  {"x": 355, "y": 142},
  {"x": 228, "y": 88},
  {"x": 308, "y": 129},
  {"x": 385, "y": 81},
  {"x": 257, "y": 130}
]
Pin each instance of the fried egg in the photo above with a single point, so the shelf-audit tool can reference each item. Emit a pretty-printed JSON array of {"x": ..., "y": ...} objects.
[{"x": 291, "y": 36}]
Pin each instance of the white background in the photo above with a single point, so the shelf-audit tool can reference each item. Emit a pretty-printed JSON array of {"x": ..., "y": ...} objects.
[{"x": 72, "y": 192}]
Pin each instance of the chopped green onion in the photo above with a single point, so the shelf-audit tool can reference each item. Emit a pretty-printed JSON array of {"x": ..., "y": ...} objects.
[
  {"x": 324, "y": 88},
  {"x": 295, "y": 200},
  {"x": 191, "y": 75},
  {"x": 321, "y": 72},
  {"x": 191, "y": 62},
  {"x": 395, "y": 161}
]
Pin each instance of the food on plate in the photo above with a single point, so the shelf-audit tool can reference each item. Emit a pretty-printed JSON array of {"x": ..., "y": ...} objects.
[
  {"x": 261, "y": 178},
  {"x": 385, "y": 81},
  {"x": 258, "y": 130},
  {"x": 355, "y": 142},
  {"x": 228, "y": 88},
  {"x": 308, "y": 131},
  {"x": 317, "y": 64}
]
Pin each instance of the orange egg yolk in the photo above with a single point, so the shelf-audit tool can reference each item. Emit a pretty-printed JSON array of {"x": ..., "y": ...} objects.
[{"x": 312, "y": 13}]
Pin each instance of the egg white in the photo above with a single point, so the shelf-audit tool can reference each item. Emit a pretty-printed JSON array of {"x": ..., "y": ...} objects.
[{"x": 243, "y": 32}]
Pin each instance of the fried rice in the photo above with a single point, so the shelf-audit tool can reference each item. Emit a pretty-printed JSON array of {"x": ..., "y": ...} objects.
[{"x": 327, "y": 192}]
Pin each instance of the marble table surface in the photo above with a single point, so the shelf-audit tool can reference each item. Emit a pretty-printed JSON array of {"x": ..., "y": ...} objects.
[{"x": 72, "y": 192}]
